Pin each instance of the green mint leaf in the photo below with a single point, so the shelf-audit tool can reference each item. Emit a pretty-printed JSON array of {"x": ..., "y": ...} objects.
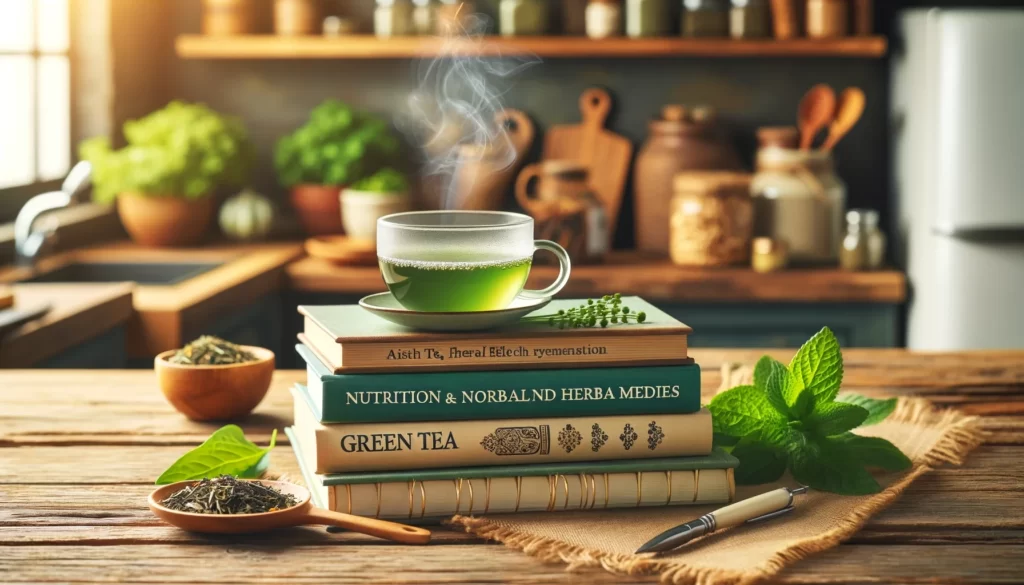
[
  {"x": 835, "y": 418},
  {"x": 818, "y": 368},
  {"x": 225, "y": 452},
  {"x": 774, "y": 386},
  {"x": 762, "y": 370},
  {"x": 759, "y": 463},
  {"x": 875, "y": 452},
  {"x": 828, "y": 464},
  {"x": 742, "y": 411},
  {"x": 878, "y": 410}
]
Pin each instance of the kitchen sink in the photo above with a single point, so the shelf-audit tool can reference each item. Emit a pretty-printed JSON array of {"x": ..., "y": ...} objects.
[{"x": 159, "y": 273}]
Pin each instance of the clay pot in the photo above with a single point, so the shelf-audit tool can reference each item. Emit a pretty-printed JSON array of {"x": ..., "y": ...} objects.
[
  {"x": 165, "y": 221},
  {"x": 227, "y": 17},
  {"x": 318, "y": 207},
  {"x": 678, "y": 141}
]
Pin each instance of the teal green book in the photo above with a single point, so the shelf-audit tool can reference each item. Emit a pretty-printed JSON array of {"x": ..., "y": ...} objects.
[
  {"x": 475, "y": 395},
  {"x": 349, "y": 339},
  {"x": 425, "y": 496}
]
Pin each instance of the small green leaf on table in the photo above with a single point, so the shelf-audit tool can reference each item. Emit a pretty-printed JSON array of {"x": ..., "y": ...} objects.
[
  {"x": 878, "y": 410},
  {"x": 225, "y": 452}
]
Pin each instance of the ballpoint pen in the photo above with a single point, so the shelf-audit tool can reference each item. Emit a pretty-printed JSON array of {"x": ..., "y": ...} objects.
[{"x": 763, "y": 507}]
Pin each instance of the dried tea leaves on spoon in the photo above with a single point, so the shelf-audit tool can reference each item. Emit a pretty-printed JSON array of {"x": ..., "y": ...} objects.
[
  {"x": 228, "y": 495},
  {"x": 211, "y": 351}
]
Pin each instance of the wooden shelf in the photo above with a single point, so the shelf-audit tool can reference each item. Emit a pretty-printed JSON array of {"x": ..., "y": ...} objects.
[{"x": 370, "y": 47}]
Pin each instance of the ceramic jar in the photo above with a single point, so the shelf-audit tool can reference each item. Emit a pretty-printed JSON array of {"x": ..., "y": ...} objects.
[
  {"x": 604, "y": 19},
  {"x": 712, "y": 219},
  {"x": 828, "y": 19},
  {"x": 393, "y": 18},
  {"x": 296, "y": 17},
  {"x": 679, "y": 140},
  {"x": 523, "y": 17},
  {"x": 564, "y": 208},
  {"x": 227, "y": 17},
  {"x": 799, "y": 199},
  {"x": 484, "y": 172}
]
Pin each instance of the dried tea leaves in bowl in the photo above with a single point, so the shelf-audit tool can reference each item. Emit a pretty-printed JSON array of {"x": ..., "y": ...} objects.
[
  {"x": 228, "y": 495},
  {"x": 212, "y": 351}
]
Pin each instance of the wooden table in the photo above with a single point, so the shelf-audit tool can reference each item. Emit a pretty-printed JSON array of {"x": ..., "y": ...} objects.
[{"x": 79, "y": 452}]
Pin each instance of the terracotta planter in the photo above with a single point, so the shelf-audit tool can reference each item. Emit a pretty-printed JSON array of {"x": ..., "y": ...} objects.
[
  {"x": 362, "y": 209},
  {"x": 165, "y": 221},
  {"x": 319, "y": 208}
]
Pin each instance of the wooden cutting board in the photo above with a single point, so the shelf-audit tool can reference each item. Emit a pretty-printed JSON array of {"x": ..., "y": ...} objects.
[{"x": 606, "y": 154}]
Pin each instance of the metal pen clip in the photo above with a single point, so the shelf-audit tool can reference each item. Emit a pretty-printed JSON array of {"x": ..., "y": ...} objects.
[{"x": 782, "y": 512}]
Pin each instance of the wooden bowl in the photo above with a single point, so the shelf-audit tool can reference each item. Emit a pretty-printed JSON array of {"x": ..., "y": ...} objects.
[{"x": 226, "y": 392}]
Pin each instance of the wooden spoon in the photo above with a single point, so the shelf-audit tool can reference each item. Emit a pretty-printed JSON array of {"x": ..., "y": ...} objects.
[
  {"x": 817, "y": 109},
  {"x": 301, "y": 514},
  {"x": 851, "y": 107}
]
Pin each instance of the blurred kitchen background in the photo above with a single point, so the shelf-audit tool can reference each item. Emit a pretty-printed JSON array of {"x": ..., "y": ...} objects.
[{"x": 692, "y": 192}]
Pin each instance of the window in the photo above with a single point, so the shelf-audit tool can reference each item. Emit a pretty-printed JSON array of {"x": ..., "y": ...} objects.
[{"x": 35, "y": 92}]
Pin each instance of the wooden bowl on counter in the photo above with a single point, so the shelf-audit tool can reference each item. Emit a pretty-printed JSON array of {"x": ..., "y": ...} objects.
[{"x": 226, "y": 392}]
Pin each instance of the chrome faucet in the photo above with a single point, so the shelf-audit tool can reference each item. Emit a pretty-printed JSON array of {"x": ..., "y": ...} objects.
[{"x": 28, "y": 244}]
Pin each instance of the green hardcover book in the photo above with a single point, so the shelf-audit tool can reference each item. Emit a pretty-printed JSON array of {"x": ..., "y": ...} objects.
[
  {"x": 349, "y": 339},
  {"x": 428, "y": 495},
  {"x": 474, "y": 395}
]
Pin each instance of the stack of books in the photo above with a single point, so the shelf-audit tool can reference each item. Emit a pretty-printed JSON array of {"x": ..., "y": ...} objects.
[{"x": 400, "y": 424}]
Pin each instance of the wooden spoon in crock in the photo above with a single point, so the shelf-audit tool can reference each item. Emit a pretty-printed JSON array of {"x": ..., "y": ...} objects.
[
  {"x": 301, "y": 514},
  {"x": 817, "y": 109},
  {"x": 851, "y": 107}
]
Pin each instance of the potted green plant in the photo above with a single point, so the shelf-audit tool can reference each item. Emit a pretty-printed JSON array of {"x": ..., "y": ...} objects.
[
  {"x": 383, "y": 193},
  {"x": 335, "y": 148},
  {"x": 165, "y": 179}
]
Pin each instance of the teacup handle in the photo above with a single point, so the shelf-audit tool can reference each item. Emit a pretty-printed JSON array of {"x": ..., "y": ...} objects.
[{"x": 564, "y": 268}]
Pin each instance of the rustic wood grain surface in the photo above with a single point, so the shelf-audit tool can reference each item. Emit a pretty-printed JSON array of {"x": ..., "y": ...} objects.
[{"x": 79, "y": 451}]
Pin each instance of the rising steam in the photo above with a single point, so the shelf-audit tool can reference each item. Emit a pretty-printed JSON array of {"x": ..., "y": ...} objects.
[{"x": 451, "y": 115}]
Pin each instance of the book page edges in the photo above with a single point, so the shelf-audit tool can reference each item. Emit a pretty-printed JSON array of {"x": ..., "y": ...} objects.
[{"x": 415, "y": 500}]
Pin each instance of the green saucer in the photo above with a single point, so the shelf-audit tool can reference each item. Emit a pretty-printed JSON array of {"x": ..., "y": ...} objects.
[{"x": 386, "y": 306}]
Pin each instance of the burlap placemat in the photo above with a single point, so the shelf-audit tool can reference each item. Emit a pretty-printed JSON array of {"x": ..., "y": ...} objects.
[{"x": 751, "y": 553}]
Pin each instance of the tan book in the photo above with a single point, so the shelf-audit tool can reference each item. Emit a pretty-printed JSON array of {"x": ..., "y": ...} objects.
[
  {"x": 418, "y": 496},
  {"x": 349, "y": 339},
  {"x": 339, "y": 448}
]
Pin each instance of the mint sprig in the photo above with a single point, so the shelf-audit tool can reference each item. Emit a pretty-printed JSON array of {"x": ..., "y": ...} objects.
[{"x": 793, "y": 418}]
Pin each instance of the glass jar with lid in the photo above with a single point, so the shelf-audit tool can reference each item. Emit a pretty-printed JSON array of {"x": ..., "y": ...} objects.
[
  {"x": 647, "y": 18},
  {"x": 604, "y": 18},
  {"x": 424, "y": 17},
  {"x": 523, "y": 17},
  {"x": 711, "y": 218},
  {"x": 392, "y": 18},
  {"x": 705, "y": 18},
  {"x": 799, "y": 198},
  {"x": 750, "y": 19},
  {"x": 864, "y": 244}
]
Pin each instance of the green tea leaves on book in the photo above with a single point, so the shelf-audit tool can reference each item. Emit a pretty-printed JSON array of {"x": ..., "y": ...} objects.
[
  {"x": 225, "y": 452},
  {"x": 792, "y": 418}
]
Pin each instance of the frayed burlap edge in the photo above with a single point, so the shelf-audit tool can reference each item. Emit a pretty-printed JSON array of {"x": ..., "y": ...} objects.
[{"x": 961, "y": 435}]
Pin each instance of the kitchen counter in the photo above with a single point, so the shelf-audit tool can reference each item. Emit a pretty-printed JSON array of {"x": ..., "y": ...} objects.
[
  {"x": 78, "y": 313},
  {"x": 655, "y": 280},
  {"x": 88, "y": 521},
  {"x": 167, "y": 316}
]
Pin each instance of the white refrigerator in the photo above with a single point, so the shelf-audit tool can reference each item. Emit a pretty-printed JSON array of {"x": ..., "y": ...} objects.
[{"x": 958, "y": 121}]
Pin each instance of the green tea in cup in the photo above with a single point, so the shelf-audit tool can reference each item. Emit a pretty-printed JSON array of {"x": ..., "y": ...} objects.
[{"x": 461, "y": 261}]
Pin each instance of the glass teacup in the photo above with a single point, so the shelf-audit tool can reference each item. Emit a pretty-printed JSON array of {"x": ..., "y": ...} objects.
[{"x": 460, "y": 261}]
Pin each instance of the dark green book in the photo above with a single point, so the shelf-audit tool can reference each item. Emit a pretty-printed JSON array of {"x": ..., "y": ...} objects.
[
  {"x": 428, "y": 495},
  {"x": 473, "y": 395}
]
